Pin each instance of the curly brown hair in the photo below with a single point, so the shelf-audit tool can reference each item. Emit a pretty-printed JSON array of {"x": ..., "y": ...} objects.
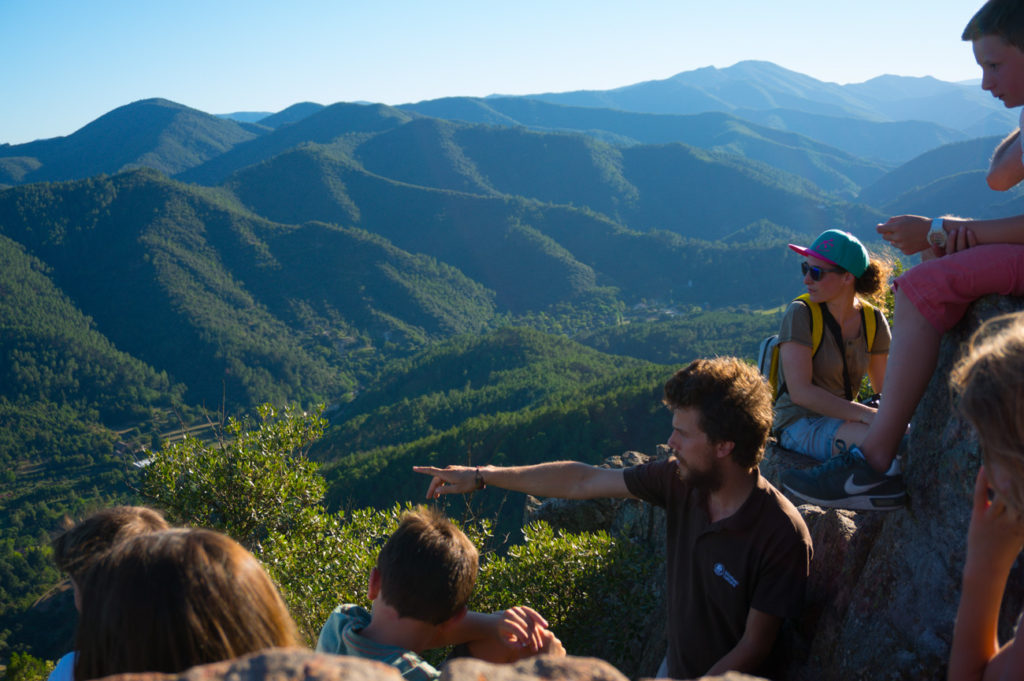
[
  {"x": 734, "y": 402},
  {"x": 875, "y": 280}
]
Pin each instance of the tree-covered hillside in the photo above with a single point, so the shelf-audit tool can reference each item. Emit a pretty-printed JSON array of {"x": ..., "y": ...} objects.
[
  {"x": 152, "y": 133},
  {"x": 451, "y": 291},
  {"x": 514, "y": 396}
]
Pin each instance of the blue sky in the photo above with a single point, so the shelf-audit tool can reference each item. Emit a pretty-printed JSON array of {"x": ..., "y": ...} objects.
[{"x": 67, "y": 62}]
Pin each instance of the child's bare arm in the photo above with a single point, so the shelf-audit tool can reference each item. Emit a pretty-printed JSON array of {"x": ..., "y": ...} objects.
[
  {"x": 1006, "y": 169},
  {"x": 994, "y": 538}
]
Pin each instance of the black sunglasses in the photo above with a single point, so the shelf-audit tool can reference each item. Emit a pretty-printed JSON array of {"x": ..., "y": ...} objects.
[{"x": 816, "y": 272}]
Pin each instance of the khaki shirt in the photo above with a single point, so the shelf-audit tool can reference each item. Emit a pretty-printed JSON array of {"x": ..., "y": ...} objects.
[{"x": 827, "y": 365}]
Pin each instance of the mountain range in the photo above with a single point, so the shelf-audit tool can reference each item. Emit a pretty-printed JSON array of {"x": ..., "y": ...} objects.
[{"x": 446, "y": 275}]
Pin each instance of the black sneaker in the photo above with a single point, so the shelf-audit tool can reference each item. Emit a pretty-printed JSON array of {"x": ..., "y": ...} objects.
[{"x": 847, "y": 481}]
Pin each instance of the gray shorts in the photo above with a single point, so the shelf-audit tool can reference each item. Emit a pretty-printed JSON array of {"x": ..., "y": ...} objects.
[{"x": 812, "y": 436}]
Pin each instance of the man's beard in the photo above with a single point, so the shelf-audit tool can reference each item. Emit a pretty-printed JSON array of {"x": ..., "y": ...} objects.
[{"x": 705, "y": 481}]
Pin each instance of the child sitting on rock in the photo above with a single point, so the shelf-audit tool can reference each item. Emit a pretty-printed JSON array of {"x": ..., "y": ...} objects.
[
  {"x": 425, "y": 574},
  {"x": 990, "y": 380}
]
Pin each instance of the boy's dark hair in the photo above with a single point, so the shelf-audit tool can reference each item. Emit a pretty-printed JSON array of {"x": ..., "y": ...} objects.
[
  {"x": 1003, "y": 18},
  {"x": 81, "y": 544},
  {"x": 734, "y": 402},
  {"x": 428, "y": 567}
]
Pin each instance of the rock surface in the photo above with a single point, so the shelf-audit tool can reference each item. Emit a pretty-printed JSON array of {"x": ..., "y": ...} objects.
[{"x": 298, "y": 664}]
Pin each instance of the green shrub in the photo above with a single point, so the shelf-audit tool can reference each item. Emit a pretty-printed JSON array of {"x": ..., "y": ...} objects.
[
  {"x": 256, "y": 485},
  {"x": 24, "y": 667}
]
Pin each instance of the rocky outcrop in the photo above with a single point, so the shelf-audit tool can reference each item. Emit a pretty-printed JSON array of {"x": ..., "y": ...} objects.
[
  {"x": 298, "y": 664},
  {"x": 884, "y": 587}
]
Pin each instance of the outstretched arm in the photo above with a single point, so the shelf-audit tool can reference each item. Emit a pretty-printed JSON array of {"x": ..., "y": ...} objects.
[
  {"x": 564, "y": 479},
  {"x": 994, "y": 538},
  {"x": 1006, "y": 169}
]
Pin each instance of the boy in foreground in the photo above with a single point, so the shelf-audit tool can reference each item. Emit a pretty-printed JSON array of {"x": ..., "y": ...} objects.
[{"x": 425, "y": 574}]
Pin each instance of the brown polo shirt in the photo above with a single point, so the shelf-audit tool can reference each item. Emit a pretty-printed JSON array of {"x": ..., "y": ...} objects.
[{"x": 758, "y": 557}]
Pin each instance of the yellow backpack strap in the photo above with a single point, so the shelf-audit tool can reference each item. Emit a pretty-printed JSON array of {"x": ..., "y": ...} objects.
[
  {"x": 817, "y": 325},
  {"x": 870, "y": 322}
]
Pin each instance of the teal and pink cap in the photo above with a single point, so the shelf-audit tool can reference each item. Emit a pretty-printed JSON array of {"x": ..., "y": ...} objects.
[{"x": 838, "y": 248}]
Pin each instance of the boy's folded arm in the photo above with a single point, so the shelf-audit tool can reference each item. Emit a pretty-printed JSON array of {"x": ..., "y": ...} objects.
[{"x": 516, "y": 627}]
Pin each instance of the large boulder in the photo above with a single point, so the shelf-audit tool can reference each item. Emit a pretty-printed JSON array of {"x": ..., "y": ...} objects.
[{"x": 885, "y": 587}]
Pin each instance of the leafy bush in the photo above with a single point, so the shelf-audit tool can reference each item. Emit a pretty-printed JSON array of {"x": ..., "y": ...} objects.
[
  {"x": 595, "y": 590},
  {"x": 256, "y": 484},
  {"x": 24, "y": 667}
]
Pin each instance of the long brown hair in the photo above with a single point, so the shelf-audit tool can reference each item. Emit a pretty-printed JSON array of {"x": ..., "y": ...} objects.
[
  {"x": 168, "y": 601},
  {"x": 989, "y": 380}
]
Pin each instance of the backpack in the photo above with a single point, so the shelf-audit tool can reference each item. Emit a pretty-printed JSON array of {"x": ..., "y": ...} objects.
[{"x": 768, "y": 352}]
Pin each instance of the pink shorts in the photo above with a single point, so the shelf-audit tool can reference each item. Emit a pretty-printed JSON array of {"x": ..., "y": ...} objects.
[{"x": 941, "y": 289}]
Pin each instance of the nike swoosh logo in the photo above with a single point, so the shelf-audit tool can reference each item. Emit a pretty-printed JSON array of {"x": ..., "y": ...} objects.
[{"x": 851, "y": 488}]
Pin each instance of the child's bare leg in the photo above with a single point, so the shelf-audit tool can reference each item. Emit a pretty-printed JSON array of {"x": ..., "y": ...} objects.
[{"x": 912, "y": 358}]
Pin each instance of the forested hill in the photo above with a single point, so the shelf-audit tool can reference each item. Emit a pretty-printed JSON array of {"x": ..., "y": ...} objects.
[{"x": 500, "y": 280}]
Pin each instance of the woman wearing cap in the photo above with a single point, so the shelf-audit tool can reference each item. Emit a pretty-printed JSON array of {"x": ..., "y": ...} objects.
[{"x": 817, "y": 412}]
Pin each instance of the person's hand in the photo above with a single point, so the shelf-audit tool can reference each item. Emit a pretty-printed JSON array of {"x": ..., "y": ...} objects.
[
  {"x": 959, "y": 238},
  {"x": 909, "y": 233},
  {"x": 521, "y": 627},
  {"x": 517, "y": 633},
  {"x": 996, "y": 533},
  {"x": 552, "y": 646},
  {"x": 450, "y": 480}
]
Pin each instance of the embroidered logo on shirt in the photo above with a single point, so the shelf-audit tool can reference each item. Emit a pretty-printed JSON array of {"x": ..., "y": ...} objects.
[{"x": 724, "y": 574}]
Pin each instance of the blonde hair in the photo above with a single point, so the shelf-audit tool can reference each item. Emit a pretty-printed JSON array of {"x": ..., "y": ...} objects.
[
  {"x": 873, "y": 284},
  {"x": 990, "y": 382}
]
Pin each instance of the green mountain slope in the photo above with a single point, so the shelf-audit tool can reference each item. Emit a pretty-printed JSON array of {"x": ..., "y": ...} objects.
[
  {"x": 783, "y": 143},
  {"x": 67, "y": 396},
  {"x": 514, "y": 396},
  {"x": 670, "y": 187},
  {"x": 680, "y": 337},
  {"x": 325, "y": 125},
  {"x": 933, "y": 165},
  {"x": 225, "y": 302},
  {"x": 152, "y": 133}
]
